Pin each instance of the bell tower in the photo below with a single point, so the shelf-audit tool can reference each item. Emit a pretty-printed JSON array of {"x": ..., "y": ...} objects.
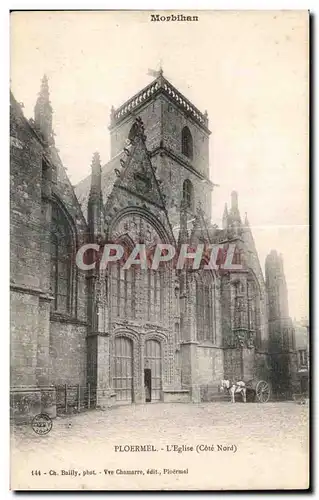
[{"x": 177, "y": 138}]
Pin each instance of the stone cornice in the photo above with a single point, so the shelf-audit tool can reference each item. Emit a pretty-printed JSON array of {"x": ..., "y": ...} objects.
[
  {"x": 98, "y": 334},
  {"x": 148, "y": 93},
  {"x": 42, "y": 294},
  {"x": 63, "y": 318},
  {"x": 181, "y": 161}
]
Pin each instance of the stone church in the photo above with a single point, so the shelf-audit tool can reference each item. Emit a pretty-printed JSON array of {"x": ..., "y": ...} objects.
[{"x": 135, "y": 335}]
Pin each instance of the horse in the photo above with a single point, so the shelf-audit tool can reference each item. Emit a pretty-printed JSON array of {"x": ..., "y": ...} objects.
[{"x": 233, "y": 388}]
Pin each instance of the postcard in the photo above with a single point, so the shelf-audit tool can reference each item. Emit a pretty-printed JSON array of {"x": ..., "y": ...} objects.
[{"x": 159, "y": 238}]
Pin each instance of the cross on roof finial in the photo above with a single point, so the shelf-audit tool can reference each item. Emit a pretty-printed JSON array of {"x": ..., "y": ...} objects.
[{"x": 160, "y": 68}]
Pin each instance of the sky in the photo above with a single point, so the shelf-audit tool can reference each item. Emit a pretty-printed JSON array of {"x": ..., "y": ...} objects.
[{"x": 248, "y": 69}]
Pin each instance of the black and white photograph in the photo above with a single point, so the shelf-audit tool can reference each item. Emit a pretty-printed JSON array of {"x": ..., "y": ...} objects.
[{"x": 159, "y": 248}]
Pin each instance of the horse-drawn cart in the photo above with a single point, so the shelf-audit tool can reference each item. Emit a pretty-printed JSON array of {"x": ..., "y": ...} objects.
[
  {"x": 253, "y": 390},
  {"x": 261, "y": 390}
]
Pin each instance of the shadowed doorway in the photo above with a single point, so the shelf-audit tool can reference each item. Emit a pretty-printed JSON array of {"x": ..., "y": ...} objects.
[{"x": 153, "y": 371}]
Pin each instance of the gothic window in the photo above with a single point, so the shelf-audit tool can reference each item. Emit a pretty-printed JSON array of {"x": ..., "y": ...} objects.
[
  {"x": 188, "y": 194},
  {"x": 187, "y": 143},
  {"x": 61, "y": 261},
  {"x": 204, "y": 310},
  {"x": 155, "y": 294},
  {"x": 135, "y": 292},
  {"x": 123, "y": 286}
]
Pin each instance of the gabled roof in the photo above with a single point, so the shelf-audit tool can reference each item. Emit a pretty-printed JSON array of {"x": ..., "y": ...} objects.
[{"x": 129, "y": 181}]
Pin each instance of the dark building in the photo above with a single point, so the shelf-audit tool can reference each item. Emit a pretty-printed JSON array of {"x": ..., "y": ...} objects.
[
  {"x": 281, "y": 331},
  {"x": 134, "y": 335}
]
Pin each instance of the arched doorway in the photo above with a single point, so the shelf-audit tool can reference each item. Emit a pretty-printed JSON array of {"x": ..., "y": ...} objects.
[
  {"x": 123, "y": 369},
  {"x": 153, "y": 370}
]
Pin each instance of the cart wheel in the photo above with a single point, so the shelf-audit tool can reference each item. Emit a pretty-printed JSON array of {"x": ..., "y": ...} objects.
[{"x": 262, "y": 391}]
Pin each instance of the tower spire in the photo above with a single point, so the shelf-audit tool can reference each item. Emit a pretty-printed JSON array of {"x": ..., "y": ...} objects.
[
  {"x": 225, "y": 217},
  {"x": 95, "y": 203},
  {"x": 276, "y": 286},
  {"x": 234, "y": 211},
  {"x": 246, "y": 220},
  {"x": 234, "y": 220},
  {"x": 96, "y": 171},
  {"x": 43, "y": 111}
]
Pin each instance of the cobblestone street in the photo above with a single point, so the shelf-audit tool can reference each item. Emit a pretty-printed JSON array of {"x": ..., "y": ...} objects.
[{"x": 263, "y": 446}]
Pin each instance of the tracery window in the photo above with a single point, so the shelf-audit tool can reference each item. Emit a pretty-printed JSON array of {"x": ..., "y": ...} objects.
[
  {"x": 123, "y": 286},
  {"x": 137, "y": 292},
  {"x": 61, "y": 261},
  {"x": 204, "y": 308},
  {"x": 155, "y": 294}
]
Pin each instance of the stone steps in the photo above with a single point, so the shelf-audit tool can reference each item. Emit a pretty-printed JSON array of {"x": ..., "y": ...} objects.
[
  {"x": 218, "y": 397},
  {"x": 211, "y": 394}
]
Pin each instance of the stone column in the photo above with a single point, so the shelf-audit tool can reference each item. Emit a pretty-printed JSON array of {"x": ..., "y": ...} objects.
[
  {"x": 217, "y": 313},
  {"x": 103, "y": 390},
  {"x": 189, "y": 342},
  {"x": 140, "y": 396},
  {"x": 101, "y": 334}
]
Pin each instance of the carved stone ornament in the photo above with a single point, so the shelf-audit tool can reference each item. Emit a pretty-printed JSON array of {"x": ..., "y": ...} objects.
[
  {"x": 142, "y": 181},
  {"x": 251, "y": 340}
]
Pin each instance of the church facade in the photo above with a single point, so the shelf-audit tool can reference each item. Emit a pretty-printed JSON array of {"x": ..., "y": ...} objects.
[{"x": 134, "y": 335}]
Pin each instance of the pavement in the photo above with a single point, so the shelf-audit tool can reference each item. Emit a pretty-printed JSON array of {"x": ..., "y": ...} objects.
[{"x": 206, "y": 446}]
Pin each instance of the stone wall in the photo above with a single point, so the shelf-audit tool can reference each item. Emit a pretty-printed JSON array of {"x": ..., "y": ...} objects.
[
  {"x": 26, "y": 280},
  {"x": 23, "y": 345},
  {"x": 210, "y": 365},
  {"x": 174, "y": 120},
  {"x": 67, "y": 353},
  {"x": 232, "y": 364},
  {"x": 181, "y": 396},
  {"x": 25, "y": 201},
  {"x": 173, "y": 175},
  {"x": 43, "y": 352}
]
